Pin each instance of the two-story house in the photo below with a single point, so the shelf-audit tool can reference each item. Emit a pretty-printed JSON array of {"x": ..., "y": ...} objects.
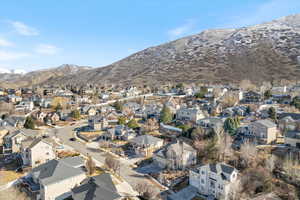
[
  {"x": 213, "y": 180},
  {"x": 145, "y": 145},
  {"x": 55, "y": 179},
  {"x": 97, "y": 123},
  {"x": 35, "y": 152},
  {"x": 264, "y": 130},
  {"x": 189, "y": 114},
  {"x": 178, "y": 155}
]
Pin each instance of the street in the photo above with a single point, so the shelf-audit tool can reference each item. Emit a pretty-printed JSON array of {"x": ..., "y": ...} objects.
[{"x": 126, "y": 172}]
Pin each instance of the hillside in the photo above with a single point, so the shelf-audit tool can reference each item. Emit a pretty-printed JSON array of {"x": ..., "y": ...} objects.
[
  {"x": 265, "y": 52},
  {"x": 39, "y": 76}
]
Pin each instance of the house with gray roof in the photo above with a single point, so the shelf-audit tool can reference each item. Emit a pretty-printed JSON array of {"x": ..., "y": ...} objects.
[
  {"x": 54, "y": 179},
  {"x": 213, "y": 180},
  {"x": 145, "y": 145},
  {"x": 99, "y": 187},
  {"x": 292, "y": 138},
  {"x": 177, "y": 155},
  {"x": 264, "y": 130}
]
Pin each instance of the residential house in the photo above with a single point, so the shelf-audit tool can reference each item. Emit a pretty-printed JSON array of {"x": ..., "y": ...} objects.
[
  {"x": 98, "y": 123},
  {"x": 35, "y": 152},
  {"x": 25, "y": 106},
  {"x": 15, "y": 121},
  {"x": 45, "y": 102},
  {"x": 252, "y": 97},
  {"x": 14, "y": 99},
  {"x": 278, "y": 89},
  {"x": 178, "y": 155},
  {"x": 97, "y": 188},
  {"x": 131, "y": 92},
  {"x": 145, "y": 145},
  {"x": 51, "y": 118},
  {"x": 55, "y": 179},
  {"x": 173, "y": 104},
  {"x": 119, "y": 132},
  {"x": 214, "y": 180},
  {"x": 40, "y": 116},
  {"x": 292, "y": 138},
  {"x": 211, "y": 124},
  {"x": 189, "y": 114},
  {"x": 89, "y": 110},
  {"x": 12, "y": 142},
  {"x": 265, "y": 130}
]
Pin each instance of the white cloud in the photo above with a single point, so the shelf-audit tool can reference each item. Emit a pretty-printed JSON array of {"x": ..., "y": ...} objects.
[
  {"x": 7, "y": 55},
  {"x": 24, "y": 29},
  {"x": 184, "y": 29},
  {"x": 5, "y": 43},
  {"x": 47, "y": 49}
]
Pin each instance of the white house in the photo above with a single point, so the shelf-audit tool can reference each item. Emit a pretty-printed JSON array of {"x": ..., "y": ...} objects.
[
  {"x": 189, "y": 114},
  {"x": 36, "y": 152},
  {"x": 55, "y": 179},
  {"x": 25, "y": 105},
  {"x": 213, "y": 179}
]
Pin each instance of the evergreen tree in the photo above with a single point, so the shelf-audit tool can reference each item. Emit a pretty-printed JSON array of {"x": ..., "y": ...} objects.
[
  {"x": 29, "y": 123},
  {"x": 75, "y": 114},
  {"x": 58, "y": 107},
  {"x": 118, "y": 106},
  {"x": 231, "y": 124},
  {"x": 133, "y": 124},
  {"x": 122, "y": 120},
  {"x": 166, "y": 115},
  {"x": 272, "y": 113},
  {"x": 267, "y": 94}
]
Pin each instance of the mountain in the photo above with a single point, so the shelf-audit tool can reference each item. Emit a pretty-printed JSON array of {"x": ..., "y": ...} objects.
[
  {"x": 39, "y": 76},
  {"x": 264, "y": 52}
]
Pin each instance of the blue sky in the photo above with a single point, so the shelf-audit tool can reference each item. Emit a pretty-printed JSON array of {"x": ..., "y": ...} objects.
[{"x": 37, "y": 34}]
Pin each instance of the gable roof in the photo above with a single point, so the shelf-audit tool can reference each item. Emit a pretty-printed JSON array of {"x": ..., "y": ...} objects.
[
  {"x": 267, "y": 123},
  {"x": 179, "y": 147},
  {"x": 54, "y": 171},
  {"x": 99, "y": 187},
  {"x": 146, "y": 140}
]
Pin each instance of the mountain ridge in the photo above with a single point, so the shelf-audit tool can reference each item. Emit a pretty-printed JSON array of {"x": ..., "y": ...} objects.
[{"x": 264, "y": 52}]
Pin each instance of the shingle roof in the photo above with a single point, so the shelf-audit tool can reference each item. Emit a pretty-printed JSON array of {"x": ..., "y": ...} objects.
[
  {"x": 267, "y": 123},
  {"x": 73, "y": 161},
  {"x": 293, "y": 134},
  {"x": 146, "y": 140},
  {"x": 54, "y": 171},
  {"x": 100, "y": 187}
]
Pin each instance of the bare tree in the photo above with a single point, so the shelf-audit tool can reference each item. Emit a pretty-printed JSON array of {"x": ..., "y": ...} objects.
[
  {"x": 270, "y": 163},
  {"x": 151, "y": 125},
  {"x": 249, "y": 153},
  {"x": 289, "y": 166},
  {"x": 90, "y": 165},
  {"x": 224, "y": 146},
  {"x": 229, "y": 100},
  {"x": 147, "y": 191},
  {"x": 112, "y": 163},
  {"x": 235, "y": 190}
]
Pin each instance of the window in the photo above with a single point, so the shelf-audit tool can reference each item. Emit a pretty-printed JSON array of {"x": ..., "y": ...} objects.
[
  {"x": 202, "y": 181},
  {"x": 202, "y": 172}
]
